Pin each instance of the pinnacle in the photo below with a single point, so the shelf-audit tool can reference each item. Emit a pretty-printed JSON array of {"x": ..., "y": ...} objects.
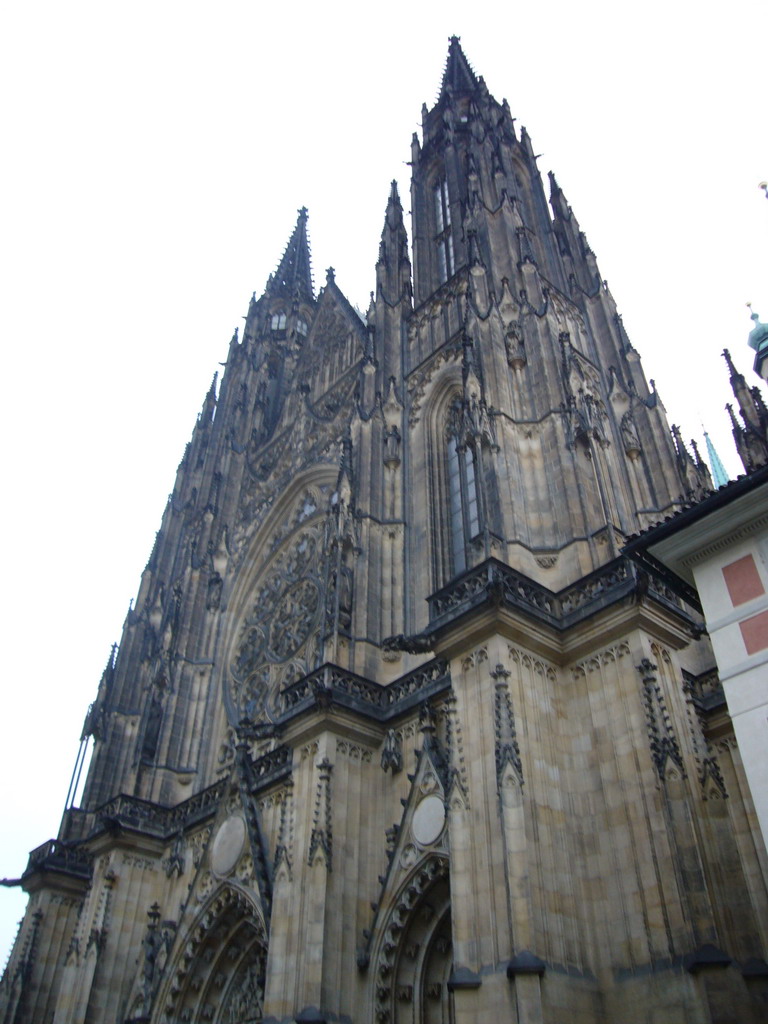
[
  {"x": 293, "y": 277},
  {"x": 736, "y": 377},
  {"x": 557, "y": 199},
  {"x": 458, "y": 75},
  {"x": 394, "y": 215}
]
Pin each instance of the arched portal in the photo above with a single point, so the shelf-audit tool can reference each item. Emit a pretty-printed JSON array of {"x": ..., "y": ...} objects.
[
  {"x": 415, "y": 955},
  {"x": 220, "y": 970}
]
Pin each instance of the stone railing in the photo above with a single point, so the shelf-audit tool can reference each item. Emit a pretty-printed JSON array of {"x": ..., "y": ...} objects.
[
  {"x": 272, "y": 766},
  {"x": 493, "y": 582},
  {"x": 56, "y": 855},
  {"x": 331, "y": 682},
  {"x": 130, "y": 812},
  {"x": 421, "y": 684},
  {"x": 705, "y": 690},
  {"x": 331, "y": 685},
  {"x": 196, "y": 808}
]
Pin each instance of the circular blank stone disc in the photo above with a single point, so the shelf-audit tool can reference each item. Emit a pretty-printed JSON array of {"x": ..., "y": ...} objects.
[
  {"x": 228, "y": 845},
  {"x": 428, "y": 820}
]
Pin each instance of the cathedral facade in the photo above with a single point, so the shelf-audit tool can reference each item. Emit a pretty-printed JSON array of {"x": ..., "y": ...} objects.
[{"x": 395, "y": 733}]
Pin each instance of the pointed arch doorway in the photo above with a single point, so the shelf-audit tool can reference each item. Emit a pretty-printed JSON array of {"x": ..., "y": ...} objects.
[
  {"x": 416, "y": 955},
  {"x": 219, "y": 974}
]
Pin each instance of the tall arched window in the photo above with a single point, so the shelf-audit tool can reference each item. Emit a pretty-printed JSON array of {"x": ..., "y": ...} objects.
[
  {"x": 463, "y": 501},
  {"x": 443, "y": 237}
]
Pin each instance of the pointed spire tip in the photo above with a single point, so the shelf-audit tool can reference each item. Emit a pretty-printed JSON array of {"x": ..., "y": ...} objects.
[
  {"x": 458, "y": 76},
  {"x": 293, "y": 277}
]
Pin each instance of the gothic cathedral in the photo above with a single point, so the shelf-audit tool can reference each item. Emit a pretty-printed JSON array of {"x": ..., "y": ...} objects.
[{"x": 395, "y": 734}]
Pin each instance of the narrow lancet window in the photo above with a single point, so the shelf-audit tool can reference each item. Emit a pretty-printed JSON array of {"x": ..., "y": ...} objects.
[
  {"x": 456, "y": 511},
  {"x": 443, "y": 237},
  {"x": 464, "y": 510},
  {"x": 472, "y": 514}
]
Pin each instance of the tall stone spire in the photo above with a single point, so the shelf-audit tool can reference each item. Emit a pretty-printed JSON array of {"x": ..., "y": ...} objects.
[
  {"x": 458, "y": 76},
  {"x": 393, "y": 268},
  {"x": 293, "y": 277},
  {"x": 392, "y": 301}
]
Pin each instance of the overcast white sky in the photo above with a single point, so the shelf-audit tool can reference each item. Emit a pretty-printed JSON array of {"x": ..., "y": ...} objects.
[{"x": 154, "y": 156}]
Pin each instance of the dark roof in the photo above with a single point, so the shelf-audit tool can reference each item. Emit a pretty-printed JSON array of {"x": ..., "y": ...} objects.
[
  {"x": 699, "y": 510},
  {"x": 639, "y": 547}
]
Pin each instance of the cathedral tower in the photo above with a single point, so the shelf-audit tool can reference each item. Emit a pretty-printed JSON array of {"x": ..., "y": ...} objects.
[{"x": 394, "y": 733}]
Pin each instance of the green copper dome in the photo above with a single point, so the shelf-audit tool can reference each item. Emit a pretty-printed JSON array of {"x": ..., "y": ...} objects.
[{"x": 758, "y": 336}]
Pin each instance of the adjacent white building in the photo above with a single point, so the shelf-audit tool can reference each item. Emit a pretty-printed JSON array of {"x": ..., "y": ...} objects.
[{"x": 720, "y": 548}]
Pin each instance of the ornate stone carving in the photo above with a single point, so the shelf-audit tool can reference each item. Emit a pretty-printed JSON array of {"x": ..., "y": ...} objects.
[
  {"x": 546, "y": 561},
  {"x": 532, "y": 664},
  {"x": 279, "y": 637},
  {"x": 514, "y": 343},
  {"x": 175, "y": 862},
  {"x": 213, "y": 596},
  {"x": 293, "y": 618},
  {"x": 474, "y": 659},
  {"x": 392, "y": 752},
  {"x": 155, "y": 947},
  {"x": 197, "y": 845},
  {"x": 321, "y": 839},
  {"x": 663, "y": 742},
  {"x": 353, "y": 751},
  {"x": 220, "y": 964},
  {"x": 630, "y": 437},
  {"x": 392, "y": 447},
  {"x": 702, "y": 691},
  {"x": 454, "y": 741},
  {"x": 419, "y": 917},
  {"x": 245, "y": 1002},
  {"x": 507, "y": 749},
  {"x": 584, "y": 406},
  {"x": 601, "y": 658},
  {"x": 450, "y": 351}
]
